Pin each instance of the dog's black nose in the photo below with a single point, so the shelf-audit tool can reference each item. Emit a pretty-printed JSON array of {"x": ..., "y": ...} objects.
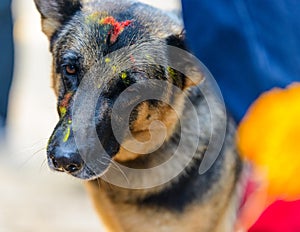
[{"x": 70, "y": 163}]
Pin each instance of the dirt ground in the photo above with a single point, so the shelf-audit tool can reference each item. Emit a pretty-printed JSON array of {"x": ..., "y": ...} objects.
[{"x": 32, "y": 198}]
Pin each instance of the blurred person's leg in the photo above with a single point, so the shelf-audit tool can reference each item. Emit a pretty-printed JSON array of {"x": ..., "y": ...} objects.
[
  {"x": 6, "y": 57},
  {"x": 249, "y": 46}
]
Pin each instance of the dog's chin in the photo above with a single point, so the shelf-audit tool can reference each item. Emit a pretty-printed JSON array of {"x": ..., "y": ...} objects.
[{"x": 86, "y": 174}]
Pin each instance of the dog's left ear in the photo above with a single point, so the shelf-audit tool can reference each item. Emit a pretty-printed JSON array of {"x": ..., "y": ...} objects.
[
  {"x": 184, "y": 64},
  {"x": 55, "y": 13}
]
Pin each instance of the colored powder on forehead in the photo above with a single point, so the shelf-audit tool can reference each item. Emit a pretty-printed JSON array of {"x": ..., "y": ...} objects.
[
  {"x": 114, "y": 69},
  {"x": 117, "y": 27},
  {"x": 107, "y": 60},
  {"x": 150, "y": 59},
  {"x": 95, "y": 17},
  {"x": 132, "y": 59}
]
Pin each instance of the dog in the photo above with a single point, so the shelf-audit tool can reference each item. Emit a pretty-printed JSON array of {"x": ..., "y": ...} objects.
[{"x": 95, "y": 40}]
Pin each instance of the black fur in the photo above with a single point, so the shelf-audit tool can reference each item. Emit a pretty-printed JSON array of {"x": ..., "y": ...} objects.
[{"x": 82, "y": 43}]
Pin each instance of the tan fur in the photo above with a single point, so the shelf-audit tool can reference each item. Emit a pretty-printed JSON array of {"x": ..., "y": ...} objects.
[
  {"x": 134, "y": 218},
  {"x": 117, "y": 206},
  {"x": 105, "y": 208},
  {"x": 140, "y": 130},
  {"x": 49, "y": 26},
  {"x": 55, "y": 80}
]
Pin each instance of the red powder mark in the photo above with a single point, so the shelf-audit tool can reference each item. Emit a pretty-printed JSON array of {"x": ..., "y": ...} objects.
[
  {"x": 118, "y": 27},
  {"x": 66, "y": 100},
  {"x": 132, "y": 59}
]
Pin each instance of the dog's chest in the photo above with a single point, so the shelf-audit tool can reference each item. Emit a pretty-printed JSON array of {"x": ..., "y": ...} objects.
[{"x": 128, "y": 217}]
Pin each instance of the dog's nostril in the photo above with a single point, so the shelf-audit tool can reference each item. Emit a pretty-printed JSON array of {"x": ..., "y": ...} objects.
[{"x": 73, "y": 168}]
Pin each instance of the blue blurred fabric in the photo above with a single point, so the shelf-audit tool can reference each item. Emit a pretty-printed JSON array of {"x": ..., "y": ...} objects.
[
  {"x": 249, "y": 46},
  {"x": 6, "y": 57}
]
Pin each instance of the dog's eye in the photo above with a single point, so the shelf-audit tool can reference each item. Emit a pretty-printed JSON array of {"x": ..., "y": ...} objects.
[
  {"x": 70, "y": 76},
  {"x": 70, "y": 69}
]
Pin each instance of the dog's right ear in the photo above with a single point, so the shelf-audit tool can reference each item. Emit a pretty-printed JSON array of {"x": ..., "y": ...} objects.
[
  {"x": 55, "y": 13},
  {"x": 182, "y": 59}
]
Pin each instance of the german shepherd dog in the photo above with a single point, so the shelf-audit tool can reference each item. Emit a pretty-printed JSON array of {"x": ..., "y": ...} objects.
[{"x": 136, "y": 185}]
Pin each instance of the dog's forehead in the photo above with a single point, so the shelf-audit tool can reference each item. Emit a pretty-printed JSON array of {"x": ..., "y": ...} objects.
[
  {"x": 99, "y": 29},
  {"x": 146, "y": 19},
  {"x": 95, "y": 34}
]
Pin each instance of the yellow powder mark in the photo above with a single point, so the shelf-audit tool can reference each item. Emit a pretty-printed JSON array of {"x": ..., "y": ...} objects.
[
  {"x": 67, "y": 134},
  {"x": 93, "y": 17},
  {"x": 96, "y": 17},
  {"x": 150, "y": 59},
  {"x": 101, "y": 21},
  {"x": 114, "y": 68},
  {"x": 124, "y": 75},
  {"x": 62, "y": 111},
  {"x": 107, "y": 60},
  {"x": 172, "y": 73}
]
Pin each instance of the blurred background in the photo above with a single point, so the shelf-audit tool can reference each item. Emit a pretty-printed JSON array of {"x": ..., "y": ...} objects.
[{"x": 32, "y": 198}]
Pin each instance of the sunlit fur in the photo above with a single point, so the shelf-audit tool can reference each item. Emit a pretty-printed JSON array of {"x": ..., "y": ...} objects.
[{"x": 190, "y": 202}]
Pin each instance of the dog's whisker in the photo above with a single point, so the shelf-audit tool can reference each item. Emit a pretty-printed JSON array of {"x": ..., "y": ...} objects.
[
  {"x": 43, "y": 164},
  {"x": 32, "y": 146},
  {"x": 108, "y": 184},
  {"x": 120, "y": 170},
  {"x": 23, "y": 164},
  {"x": 99, "y": 183},
  {"x": 117, "y": 167},
  {"x": 39, "y": 150}
]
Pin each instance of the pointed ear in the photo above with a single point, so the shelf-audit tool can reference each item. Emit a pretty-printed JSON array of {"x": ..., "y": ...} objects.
[
  {"x": 183, "y": 61},
  {"x": 54, "y": 13}
]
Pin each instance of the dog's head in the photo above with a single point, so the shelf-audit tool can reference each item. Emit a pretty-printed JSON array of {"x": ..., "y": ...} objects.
[{"x": 94, "y": 40}]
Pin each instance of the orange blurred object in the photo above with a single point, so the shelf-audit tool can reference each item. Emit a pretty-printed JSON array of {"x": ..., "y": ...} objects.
[{"x": 269, "y": 137}]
